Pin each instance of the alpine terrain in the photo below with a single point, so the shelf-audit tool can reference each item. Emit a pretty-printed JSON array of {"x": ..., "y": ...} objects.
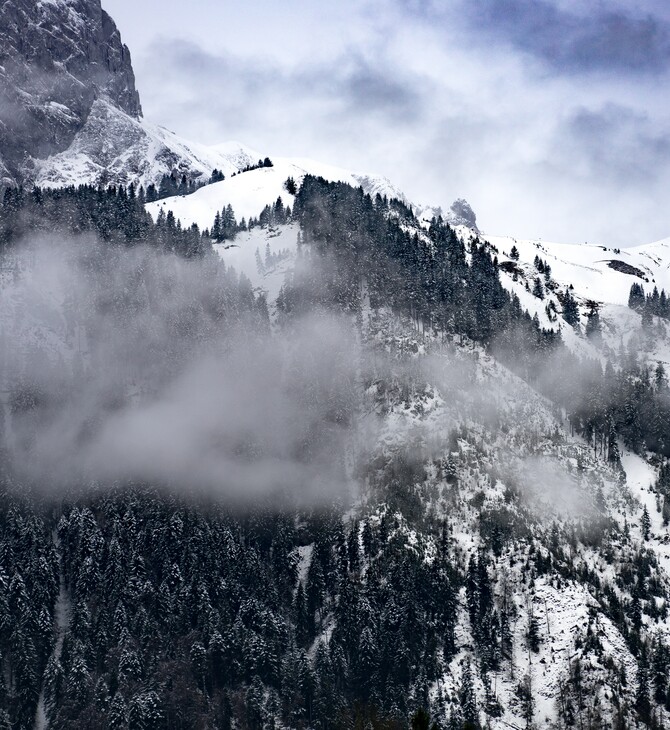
[{"x": 282, "y": 448}]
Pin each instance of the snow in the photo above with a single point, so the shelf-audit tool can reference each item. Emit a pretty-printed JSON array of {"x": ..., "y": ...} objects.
[
  {"x": 583, "y": 269},
  {"x": 249, "y": 192},
  {"x": 641, "y": 477},
  {"x": 240, "y": 255},
  {"x": 116, "y": 147},
  {"x": 304, "y": 560},
  {"x": 585, "y": 266}
]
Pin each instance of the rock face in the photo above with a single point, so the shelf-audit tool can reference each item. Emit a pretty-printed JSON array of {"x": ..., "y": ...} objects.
[
  {"x": 114, "y": 148},
  {"x": 461, "y": 214},
  {"x": 57, "y": 57}
]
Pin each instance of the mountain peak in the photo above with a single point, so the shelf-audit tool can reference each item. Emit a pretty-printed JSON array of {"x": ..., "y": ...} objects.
[{"x": 461, "y": 214}]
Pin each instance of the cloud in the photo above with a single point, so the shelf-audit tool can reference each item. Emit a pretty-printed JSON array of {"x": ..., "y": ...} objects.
[
  {"x": 614, "y": 144},
  {"x": 490, "y": 101},
  {"x": 242, "y": 90},
  {"x": 123, "y": 365},
  {"x": 595, "y": 39}
]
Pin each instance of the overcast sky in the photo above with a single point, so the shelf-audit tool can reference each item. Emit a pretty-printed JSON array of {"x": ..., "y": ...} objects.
[{"x": 551, "y": 117}]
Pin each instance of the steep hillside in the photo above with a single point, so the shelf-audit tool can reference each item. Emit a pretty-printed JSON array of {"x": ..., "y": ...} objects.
[
  {"x": 597, "y": 273},
  {"x": 336, "y": 461},
  {"x": 455, "y": 534},
  {"x": 69, "y": 110},
  {"x": 599, "y": 279}
]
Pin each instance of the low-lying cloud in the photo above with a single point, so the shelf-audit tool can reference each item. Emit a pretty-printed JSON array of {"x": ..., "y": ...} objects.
[{"x": 132, "y": 366}]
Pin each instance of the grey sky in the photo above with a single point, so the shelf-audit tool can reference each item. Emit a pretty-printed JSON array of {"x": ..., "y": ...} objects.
[{"x": 550, "y": 116}]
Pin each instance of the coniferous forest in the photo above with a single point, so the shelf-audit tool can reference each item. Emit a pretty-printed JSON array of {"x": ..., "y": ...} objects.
[
  {"x": 129, "y": 606},
  {"x": 286, "y": 447}
]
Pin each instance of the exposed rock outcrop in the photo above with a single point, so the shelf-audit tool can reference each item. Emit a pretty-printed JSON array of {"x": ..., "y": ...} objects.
[
  {"x": 461, "y": 214},
  {"x": 56, "y": 58}
]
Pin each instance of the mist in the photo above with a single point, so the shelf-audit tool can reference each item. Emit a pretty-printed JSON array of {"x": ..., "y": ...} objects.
[
  {"x": 128, "y": 365},
  {"x": 131, "y": 366}
]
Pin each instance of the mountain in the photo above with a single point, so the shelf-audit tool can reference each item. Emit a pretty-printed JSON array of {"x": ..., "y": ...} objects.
[
  {"x": 599, "y": 279},
  {"x": 69, "y": 109},
  {"x": 349, "y": 462},
  {"x": 56, "y": 59},
  {"x": 113, "y": 147},
  {"x": 249, "y": 192},
  {"x": 70, "y": 114},
  {"x": 491, "y": 543}
]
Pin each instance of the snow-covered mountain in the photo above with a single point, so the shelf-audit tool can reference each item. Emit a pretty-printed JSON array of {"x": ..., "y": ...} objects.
[
  {"x": 70, "y": 114},
  {"x": 251, "y": 191},
  {"x": 598, "y": 273},
  {"x": 57, "y": 57},
  {"x": 504, "y": 561},
  {"x": 116, "y": 148},
  {"x": 69, "y": 110},
  {"x": 599, "y": 279}
]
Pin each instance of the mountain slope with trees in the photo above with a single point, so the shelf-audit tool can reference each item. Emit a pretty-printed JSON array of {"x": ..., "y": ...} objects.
[{"x": 496, "y": 564}]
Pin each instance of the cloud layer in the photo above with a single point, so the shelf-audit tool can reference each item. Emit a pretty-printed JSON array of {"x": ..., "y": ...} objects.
[
  {"x": 549, "y": 116},
  {"x": 127, "y": 365}
]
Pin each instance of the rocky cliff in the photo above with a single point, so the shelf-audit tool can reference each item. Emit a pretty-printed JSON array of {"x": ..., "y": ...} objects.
[{"x": 57, "y": 57}]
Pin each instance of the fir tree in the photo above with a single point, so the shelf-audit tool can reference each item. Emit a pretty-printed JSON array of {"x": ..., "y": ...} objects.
[{"x": 645, "y": 524}]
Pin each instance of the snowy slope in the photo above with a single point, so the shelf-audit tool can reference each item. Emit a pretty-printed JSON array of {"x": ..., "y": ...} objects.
[
  {"x": 251, "y": 191},
  {"x": 590, "y": 269},
  {"x": 597, "y": 277},
  {"x": 530, "y": 451},
  {"x": 114, "y": 147},
  {"x": 280, "y": 243}
]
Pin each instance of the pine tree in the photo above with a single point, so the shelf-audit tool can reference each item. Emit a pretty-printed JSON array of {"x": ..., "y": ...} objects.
[
  {"x": 593, "y": 326},
  {"x": 290, "y": 186},
  {"x": 368, "y": 539},
  {"x": 636, "y": 298},
  {"x": 660, "y": 671},
  {"x": 302, "y": 619},
  {"x": 642, "y": 701},
  {"x": 315, "y": 590},
  {"x": 570, "y": 309},
  {"x": 645, "y": 524},
  {"x": 533, "y": 635},
  {"x": 216, "y": 227},
  {"x": 467, "y": 698},
  {"x": 353, "y": 549}
]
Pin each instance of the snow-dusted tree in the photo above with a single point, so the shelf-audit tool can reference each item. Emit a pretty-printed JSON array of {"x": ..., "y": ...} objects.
[
  {"x": 468, "y": 698},
  {"x": 645, "y": 524}
]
